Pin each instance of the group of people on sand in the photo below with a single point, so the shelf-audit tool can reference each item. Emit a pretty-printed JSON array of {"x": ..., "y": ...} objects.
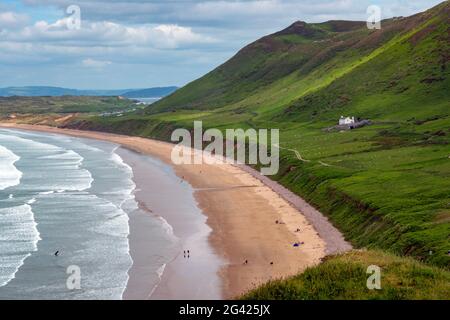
[
  {"x": 296, "y": 244},
  {"x": 186, "y": 253}
]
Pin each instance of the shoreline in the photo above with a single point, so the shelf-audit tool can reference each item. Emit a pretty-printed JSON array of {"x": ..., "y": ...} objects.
[
  {"x": 157, "y": 187},
  {"x": 241, "y": 208}
]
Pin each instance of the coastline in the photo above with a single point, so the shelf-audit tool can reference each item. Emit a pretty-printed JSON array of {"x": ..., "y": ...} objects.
[{"x": 241, "y": 209}]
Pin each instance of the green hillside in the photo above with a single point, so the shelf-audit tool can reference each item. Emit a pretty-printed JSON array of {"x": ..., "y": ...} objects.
[{"x": 384, "y": 186}]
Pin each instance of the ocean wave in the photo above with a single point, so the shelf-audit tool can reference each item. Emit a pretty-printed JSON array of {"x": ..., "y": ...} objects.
[
  {"x": 127, "y": 168},
  {"x": 166, "y": 226},
  {"x": 9, "y": 175},
  {"x": 18, "y": 239},
  {"x": 159, "y": 272},
  {"x": 47, "y": 192},
  {"x": 63, "y": 167},
  {"x": 112, "y": 227}
]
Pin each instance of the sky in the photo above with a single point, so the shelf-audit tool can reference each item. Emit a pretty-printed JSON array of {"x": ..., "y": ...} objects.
[{"x": 118, "y": 44}]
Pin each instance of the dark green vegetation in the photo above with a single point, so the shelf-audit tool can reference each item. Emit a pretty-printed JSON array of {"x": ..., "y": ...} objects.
[
  {"x": 344, "y": 278},
  {"x": 386, "y": 185},
  {"x": 67, "y": 104}
]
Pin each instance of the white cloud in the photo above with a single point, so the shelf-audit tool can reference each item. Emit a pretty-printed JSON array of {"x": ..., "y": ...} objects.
[
  {"x": 174, "y": 35},
  {"x": 92, "y": 63},
  {"x": 106, "y": 33},
  {"x": 12, "y": 20}
]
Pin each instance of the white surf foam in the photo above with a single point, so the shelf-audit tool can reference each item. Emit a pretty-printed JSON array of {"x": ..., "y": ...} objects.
[
  {"x": 46, "y": 192},
  {"x": 167, "y": 227},
  {"x": 128, "y": 193},
  {"x": 18, "y": 239},
  {"x": 9, "y": 175},
  {"x": 159, "y": 272},
  {"x": 56, "y": 159}
]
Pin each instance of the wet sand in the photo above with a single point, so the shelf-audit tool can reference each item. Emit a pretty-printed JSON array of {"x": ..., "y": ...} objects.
[
  {"x": 162, "y": 195},
  {"x": 241, "y": 209}
]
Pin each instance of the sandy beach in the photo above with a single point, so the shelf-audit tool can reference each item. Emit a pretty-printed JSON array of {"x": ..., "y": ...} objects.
[{"x": 242, "y": 208}]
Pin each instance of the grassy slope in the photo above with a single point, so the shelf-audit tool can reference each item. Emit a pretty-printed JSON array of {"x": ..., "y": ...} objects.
[
  {"x": 344, "y": 278},
  {"x": 384, "y": 186}
]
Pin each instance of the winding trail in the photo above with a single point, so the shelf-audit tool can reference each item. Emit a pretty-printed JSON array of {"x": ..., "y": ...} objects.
[{"x": 299, "y": 156}]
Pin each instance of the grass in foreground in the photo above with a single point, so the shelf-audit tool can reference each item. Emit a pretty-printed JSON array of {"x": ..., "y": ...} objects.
[{"x": 344, "y": 277}]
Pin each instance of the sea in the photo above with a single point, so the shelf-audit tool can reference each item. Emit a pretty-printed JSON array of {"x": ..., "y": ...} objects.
[
  {"x": 147, "y": 101},
  {"x": 65, "y": 206}
]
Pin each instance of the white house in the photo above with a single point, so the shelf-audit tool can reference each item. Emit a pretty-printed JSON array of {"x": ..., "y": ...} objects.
[{"x": 346, "y": 120}]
